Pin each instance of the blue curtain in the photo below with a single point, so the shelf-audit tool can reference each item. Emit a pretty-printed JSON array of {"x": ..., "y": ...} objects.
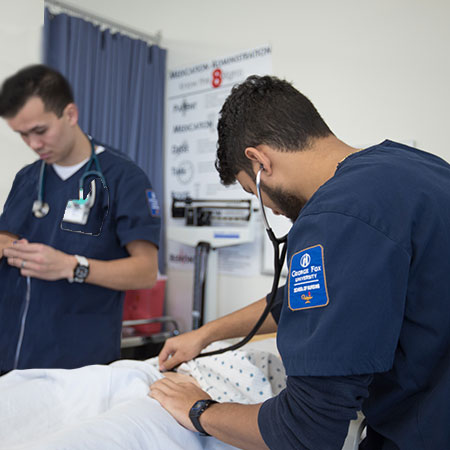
[{"x": 118, "y": 84}]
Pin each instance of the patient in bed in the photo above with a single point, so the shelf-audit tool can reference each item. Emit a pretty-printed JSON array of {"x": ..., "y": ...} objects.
[{"x": 108, "y": 407}]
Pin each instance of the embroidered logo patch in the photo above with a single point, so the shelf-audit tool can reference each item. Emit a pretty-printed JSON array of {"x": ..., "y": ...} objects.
[
  {"x": 307, "y": 281},
  {"x": 153, "y": 203}
]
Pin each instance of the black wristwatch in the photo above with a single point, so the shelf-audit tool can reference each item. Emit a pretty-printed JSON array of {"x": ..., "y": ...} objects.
[
  {"x": 196, "y": 411},
  {"x": 81, "y": 270}
]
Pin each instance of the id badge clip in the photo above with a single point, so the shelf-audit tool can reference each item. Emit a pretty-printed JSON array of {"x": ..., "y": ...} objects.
[{"x": 77, "y": 211}]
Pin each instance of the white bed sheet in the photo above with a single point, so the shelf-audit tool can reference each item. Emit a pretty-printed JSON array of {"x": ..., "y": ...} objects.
[{"x": 107, "y": 407}]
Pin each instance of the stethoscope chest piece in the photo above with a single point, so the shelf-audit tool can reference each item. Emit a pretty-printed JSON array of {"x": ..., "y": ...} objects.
[{"x": 40, "y": 209}]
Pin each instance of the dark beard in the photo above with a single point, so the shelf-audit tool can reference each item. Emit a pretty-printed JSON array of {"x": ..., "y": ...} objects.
[{"x": 289, "y": 205}]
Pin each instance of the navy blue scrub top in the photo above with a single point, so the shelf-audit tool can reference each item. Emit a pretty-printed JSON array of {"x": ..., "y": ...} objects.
[
  {"x": 368, "y": 292},
  {"x": 70, "y": 324}
]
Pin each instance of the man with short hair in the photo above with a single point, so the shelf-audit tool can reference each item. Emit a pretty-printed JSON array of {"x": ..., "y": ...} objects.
[
  {"x": 363, "y": 321},
  {"x": 80, "y": 226}
]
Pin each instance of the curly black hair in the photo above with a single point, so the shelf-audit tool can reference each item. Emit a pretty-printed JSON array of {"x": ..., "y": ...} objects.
[
  {"x": 263, "y": 110},
  {"x": 36, "y": 80}
]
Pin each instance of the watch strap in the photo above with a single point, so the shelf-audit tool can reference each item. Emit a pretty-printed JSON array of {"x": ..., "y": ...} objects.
[
  {"x": 198, "y": 408},
  {"x": 82, "y": 260}
]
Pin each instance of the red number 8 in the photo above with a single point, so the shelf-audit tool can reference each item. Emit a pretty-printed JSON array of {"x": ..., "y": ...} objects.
[{"x": 217, "y": 78}]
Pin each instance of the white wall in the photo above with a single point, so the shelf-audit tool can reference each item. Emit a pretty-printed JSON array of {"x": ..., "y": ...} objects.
[
  {"x": 21, "y": 24},
  {"x": 374, "y": 70}
]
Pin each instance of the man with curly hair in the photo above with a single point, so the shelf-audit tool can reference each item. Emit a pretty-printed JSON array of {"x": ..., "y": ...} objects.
[{"x": 363, "y": 321}]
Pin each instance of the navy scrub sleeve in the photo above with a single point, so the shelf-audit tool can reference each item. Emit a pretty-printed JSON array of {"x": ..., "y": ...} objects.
[
  {"x": 136, "y": 209},
  {"x": 355, "y": 326},
  {"x": 312, "y": 412}
]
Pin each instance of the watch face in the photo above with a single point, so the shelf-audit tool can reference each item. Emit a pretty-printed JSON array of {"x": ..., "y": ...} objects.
[
  {"x": 198, "y": 406},
  {"x": 81, "y": 272}
]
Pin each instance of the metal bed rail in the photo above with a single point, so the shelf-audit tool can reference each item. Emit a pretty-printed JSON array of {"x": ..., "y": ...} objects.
[{"x": 153, "y": 338}]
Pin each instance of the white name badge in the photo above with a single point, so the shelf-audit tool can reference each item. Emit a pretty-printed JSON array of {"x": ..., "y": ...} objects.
[{"x": 76, "y": 212}]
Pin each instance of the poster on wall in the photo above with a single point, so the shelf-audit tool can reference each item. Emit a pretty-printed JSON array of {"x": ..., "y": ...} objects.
[{"x": 195, "y": 95}]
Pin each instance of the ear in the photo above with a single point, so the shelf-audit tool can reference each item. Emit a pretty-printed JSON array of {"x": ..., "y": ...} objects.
[
  {"x": 71, "y": 113},
  {"x": 260, "y": 159}
]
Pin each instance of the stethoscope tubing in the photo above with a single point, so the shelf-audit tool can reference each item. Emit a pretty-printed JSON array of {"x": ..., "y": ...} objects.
[
  {"x": 263, "y": 210},
  {"x": 41, "y": 182},
  {"x": 279, "y": 257},
  {"x": 22, "y": 324}
]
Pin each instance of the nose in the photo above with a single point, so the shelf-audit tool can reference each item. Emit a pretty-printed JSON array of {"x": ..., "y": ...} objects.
[{"x": 35, "y": 143}]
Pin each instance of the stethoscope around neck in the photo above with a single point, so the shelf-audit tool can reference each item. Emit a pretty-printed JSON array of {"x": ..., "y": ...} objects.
[
  {"x": 279, "y": 257},
  {"x": 41, "y": 208}
]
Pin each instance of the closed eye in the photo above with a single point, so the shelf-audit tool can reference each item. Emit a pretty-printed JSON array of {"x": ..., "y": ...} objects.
[{"x": 37, "y": 130}]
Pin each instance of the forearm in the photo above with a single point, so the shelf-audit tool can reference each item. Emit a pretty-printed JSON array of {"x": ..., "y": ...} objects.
[
  {"x": 122, "y": 274},
  {"x": 133, "y": 272},
  {"x": 137, "y": 271},
  {"x": 234, "y": 424},
  {"x": 238, "y": 323}
]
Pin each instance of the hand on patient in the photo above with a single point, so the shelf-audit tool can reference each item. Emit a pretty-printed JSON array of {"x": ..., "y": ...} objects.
[
  {"x": 181, "y": 348},
  {"x": 180, "y": 378},
  {"x": 39, "y": 260},
  {"x": 177, "y": 393}
]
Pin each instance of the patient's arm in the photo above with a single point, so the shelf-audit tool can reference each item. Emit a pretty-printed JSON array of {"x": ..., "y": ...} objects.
[{"x": 239, "y": 323}]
